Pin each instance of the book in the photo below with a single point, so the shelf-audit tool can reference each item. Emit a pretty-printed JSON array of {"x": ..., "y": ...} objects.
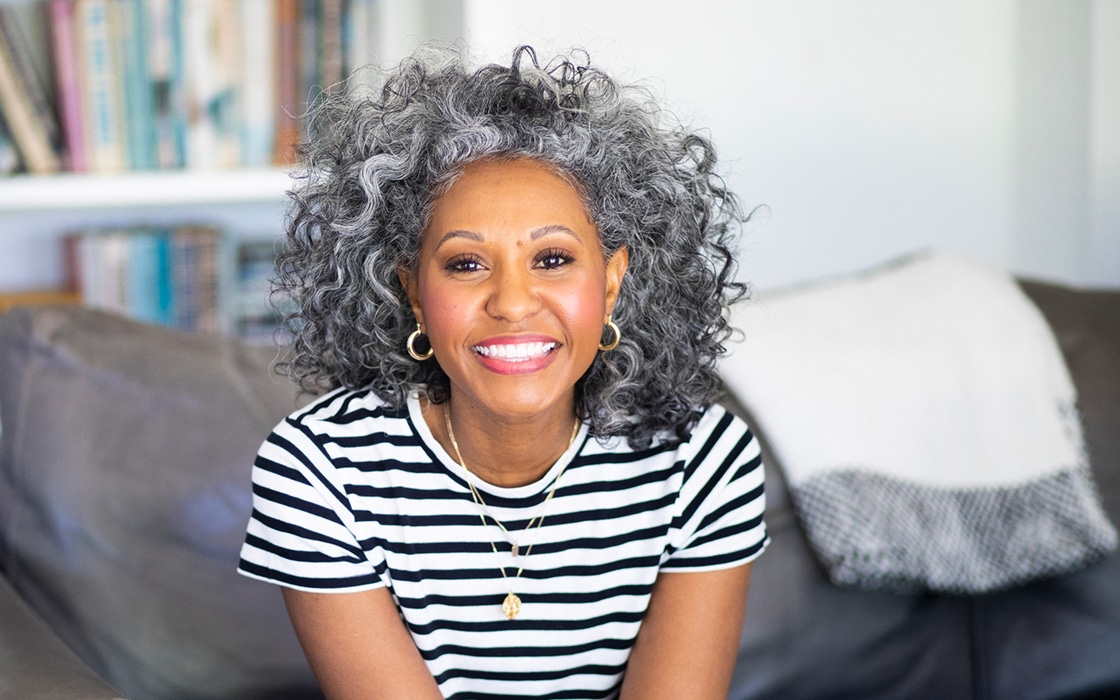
[
  {"x": 149, "y": 276},
  {"x": 257, "y": 87},
  {"x": 287, "y": 82},
  {"x": 195, "y": 278},
  {"x": 82, "y": 276},
  {"x": 331, "y": 54},
  {"x": 35, "y": 77},
  {"x": 66, "y": 84},
  {"x": 111, "y": 250},
  {"x": 211, "y": 58},
  {"x": 310, "y": 55},
  {"x": 72, "y": 263},
  {"x": 166, "y": 81},
  {"x": 101, "y": 94},
  {"x": 360, "y": 41},
  {"x": 227, "y": 107},
  {"x": 28, "y": 116},
  {"x": 130, "y": 27},
  {"x": 255, "y": 316},
  {"x": 199, "y": 83}
]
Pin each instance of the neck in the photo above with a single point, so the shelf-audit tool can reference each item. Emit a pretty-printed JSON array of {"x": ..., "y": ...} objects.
[{"x": 502, "y": 452}]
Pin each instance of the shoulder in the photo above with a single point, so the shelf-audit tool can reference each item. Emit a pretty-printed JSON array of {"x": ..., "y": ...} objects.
[
  {"x": 336, "y": 421},
  {"x": 345, "y": 412},
  {"x": 719, "y": 444},
  {"x": 715, "y": 426},
  {"x": 341, "y": 438},
  {"x": 717, "y": 419},
  {"x": 722, "y": 496},
  {"x": 717, "y": 436},
  {"x": 343, "y": 406}
]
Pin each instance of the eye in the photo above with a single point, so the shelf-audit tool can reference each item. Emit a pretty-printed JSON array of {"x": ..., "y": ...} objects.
[
  {"x": 553, "y": 258},
  {"x": 464, "y": 264}
]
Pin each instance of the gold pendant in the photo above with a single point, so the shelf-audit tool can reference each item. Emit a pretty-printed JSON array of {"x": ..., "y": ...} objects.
[
  {"x": 511, "y": 606},
  {"x": 515, "y": 549}
]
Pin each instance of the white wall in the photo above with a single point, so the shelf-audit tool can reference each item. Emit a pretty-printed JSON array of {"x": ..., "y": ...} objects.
[
  {"x": 871, "y": 128},
  {"x": 1104, "y": 139}
]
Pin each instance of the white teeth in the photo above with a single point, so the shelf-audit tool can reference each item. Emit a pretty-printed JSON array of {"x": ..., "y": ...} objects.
[{"x": 517, "y": 352}]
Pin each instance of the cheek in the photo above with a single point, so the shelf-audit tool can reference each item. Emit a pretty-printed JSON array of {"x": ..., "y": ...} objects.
[
  {"x": 443, "y": 311},
  {"x": 583, "y": 309}
]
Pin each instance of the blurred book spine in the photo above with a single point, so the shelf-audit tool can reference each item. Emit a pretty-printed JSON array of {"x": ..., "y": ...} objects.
[
  {"x": 68, "y": 90},
  {"x": 98, "y": 77},
  {"x": 189, "y": 277},
  {"x": 257, "y": 314},
  {"x": 287, "y": 81},
  {"x": 24, "y": 106},
  {"x": 132, "y": 27},
  {"x": 258, "y": 88}
]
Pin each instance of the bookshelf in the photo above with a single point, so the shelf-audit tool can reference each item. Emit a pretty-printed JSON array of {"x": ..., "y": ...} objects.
[
  {"x": 37, "y": 212},
  {"x": 164, "y": 117}
]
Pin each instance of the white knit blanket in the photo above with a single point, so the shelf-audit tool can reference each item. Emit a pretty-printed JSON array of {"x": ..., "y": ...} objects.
[{"x": 926, "y": 424}]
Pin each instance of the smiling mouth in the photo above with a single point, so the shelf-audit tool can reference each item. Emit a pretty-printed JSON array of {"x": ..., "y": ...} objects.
[{"x": 515, "y": 352}]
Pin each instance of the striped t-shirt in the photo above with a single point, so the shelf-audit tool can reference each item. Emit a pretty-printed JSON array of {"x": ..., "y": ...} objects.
[{"x": 350, "y": 495}]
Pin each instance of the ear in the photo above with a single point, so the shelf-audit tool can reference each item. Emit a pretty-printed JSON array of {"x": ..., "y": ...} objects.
[
  {"x": 616, "y": 270},
  {"x": 411, "y": 283}
]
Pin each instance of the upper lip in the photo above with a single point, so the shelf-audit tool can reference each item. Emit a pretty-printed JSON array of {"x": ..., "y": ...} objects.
[{"x": 516, "y": 347}]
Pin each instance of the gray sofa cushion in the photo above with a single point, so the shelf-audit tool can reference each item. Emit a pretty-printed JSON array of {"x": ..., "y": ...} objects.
[
  {"x": 35, "y": 663},
  {"x": 124, "y": 494},
  {"x": 1086, "y": 323}
]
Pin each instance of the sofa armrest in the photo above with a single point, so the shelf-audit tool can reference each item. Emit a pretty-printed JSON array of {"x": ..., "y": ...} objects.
[{"x": 35, "y": 664}]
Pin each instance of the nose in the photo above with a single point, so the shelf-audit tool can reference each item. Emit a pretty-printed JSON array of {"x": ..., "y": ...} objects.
[{"x": 513, "y": 295}]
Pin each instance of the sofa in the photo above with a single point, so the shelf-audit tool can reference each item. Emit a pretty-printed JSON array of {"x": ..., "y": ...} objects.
[{"x": 125, "y": 452}]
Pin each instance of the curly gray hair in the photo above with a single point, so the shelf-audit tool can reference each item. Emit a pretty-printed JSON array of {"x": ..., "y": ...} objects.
[{"x": 374, "y": 164}]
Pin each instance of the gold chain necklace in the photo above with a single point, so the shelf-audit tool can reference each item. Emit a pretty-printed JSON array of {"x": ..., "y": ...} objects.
[{"x": 511, "y": 606}]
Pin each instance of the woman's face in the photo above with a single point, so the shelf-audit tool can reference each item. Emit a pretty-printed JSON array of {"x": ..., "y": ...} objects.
[{"x": 513, "y": 288}]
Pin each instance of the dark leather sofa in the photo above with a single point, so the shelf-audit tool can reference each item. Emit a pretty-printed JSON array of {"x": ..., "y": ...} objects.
[{"x": 124, "y": 458}]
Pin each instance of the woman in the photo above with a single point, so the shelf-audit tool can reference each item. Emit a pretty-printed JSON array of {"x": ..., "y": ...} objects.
[{"x": 515, "y": 283}]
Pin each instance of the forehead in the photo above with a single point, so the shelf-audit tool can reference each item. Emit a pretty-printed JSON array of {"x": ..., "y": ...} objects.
[{"x": 496, "y": 192}]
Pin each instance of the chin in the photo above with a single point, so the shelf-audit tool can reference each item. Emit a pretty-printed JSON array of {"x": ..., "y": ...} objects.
[{"x": 521, "y": 397}]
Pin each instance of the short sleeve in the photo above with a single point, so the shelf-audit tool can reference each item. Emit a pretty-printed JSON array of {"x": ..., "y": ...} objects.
[
  {"x": 301, "y": 533},
  {"x": 719, "y": 521}
]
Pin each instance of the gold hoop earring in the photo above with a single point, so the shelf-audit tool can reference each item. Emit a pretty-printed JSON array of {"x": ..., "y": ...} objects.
[
  {"x": 617, "y": 336},
  {"x": 410, "y": 346}
]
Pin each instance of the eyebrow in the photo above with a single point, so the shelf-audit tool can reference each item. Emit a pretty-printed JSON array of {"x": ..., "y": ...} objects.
[
  {"x": 459, "y": 233},
  {"x": 533, "y": 235},
  {"x": 552, "y": 228}
]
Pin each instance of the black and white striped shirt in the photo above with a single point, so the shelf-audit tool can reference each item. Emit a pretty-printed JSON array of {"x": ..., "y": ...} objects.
[{"x": 349, "y": 495}]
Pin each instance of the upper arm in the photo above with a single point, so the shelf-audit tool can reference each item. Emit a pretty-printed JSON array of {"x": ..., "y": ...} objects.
[
  {"x": 358, "y": 645},
  {"x": 689, "y": 638}
]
